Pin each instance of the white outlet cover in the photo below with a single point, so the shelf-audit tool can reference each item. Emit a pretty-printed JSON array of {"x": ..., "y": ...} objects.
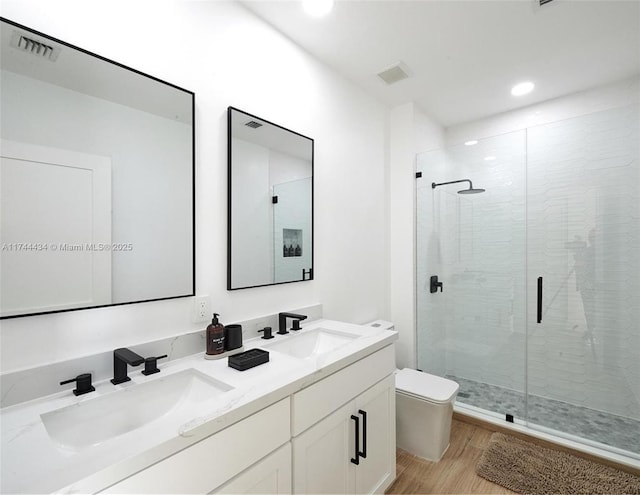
[{"x": 201, "y": 310}]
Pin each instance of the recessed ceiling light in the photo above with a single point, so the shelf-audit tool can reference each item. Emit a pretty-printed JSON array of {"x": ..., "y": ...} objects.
[
  {"x": 317, "y": 8},
  {"x": 470, "y": 143},
  {"x": 489, "y": 158},
  {"x": 522, "y": 88}
]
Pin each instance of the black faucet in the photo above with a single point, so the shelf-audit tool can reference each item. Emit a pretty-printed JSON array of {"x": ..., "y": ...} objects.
[
  {"x": 434, "y": 285},
  {"x": 151, "y": 365},
  {"x": 121, "y": 358},
  {"x": 282, "y": 322},
  {"x": 83, "y": 384},
  {"x": 267, "y": 333}
]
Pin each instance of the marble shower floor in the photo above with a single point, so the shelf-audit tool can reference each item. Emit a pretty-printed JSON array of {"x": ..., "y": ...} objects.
[{"x": 609, "y": 429}]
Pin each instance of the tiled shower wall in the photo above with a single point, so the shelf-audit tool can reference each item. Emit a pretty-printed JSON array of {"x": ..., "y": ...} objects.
[{"x": 579, "y": 229}]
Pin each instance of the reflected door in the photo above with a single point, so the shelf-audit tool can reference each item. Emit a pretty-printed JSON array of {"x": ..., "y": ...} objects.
[{"x": 56, "y": 214}]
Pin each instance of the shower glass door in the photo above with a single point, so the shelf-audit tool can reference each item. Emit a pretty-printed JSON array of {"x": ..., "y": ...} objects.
[
  {"x": 583, "y": 222},
  {"x": 474, "y": 330},
  {"x": 560, "y": 217}
]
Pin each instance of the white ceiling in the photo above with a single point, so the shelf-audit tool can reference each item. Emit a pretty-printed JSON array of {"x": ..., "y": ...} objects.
[{"x": 464, "y": 56}]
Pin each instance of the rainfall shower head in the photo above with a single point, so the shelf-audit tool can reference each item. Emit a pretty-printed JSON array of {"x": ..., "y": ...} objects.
[{"x": 470, "y": 190}]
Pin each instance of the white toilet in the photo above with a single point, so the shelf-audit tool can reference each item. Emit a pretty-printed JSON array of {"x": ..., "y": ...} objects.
[{"x": 424, "y": 408}]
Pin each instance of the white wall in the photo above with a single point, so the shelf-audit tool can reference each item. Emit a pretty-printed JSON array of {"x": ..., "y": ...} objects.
[
  {"x": 216, "y": 49},
  {"x": 410, "y": 131}
]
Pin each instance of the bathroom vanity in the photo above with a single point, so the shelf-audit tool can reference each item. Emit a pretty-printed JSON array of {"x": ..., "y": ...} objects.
[{"x": 318, "y": 417}]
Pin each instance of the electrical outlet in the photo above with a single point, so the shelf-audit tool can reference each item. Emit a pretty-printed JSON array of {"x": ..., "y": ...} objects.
[{"x": 201, "y": 309}]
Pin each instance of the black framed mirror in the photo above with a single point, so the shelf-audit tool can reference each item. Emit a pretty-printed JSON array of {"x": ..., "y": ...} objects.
[
  {"x": 97, "y": 180},
  {"x": 270, "y": 203}
]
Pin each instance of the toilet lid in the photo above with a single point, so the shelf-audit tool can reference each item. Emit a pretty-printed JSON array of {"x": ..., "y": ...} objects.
[{"x": 421, "y": 384}]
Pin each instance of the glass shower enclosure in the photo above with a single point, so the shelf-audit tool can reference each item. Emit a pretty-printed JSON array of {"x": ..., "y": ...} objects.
[{"x": 538, "y": 315}]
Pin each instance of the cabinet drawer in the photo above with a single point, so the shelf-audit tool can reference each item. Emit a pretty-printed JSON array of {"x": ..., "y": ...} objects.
[
  {"x": 216, "y": 459},
  {"x": 315, "y": 402}
]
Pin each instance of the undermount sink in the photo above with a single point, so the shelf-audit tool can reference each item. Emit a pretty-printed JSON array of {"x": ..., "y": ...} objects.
[
  {"x": 93, "y": 421},
  {"x": 311, "y": 343}
]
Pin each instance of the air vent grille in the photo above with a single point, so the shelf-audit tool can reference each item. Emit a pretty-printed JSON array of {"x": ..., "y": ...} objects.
[
  {"x": 35, "y": 47},
  {"x": 253, "y": 124},
  {"x": 394, "y": 74}
]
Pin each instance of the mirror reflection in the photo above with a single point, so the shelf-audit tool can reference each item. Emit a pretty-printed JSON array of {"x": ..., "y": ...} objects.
[
  {"x": 96, "y": 180},
  {"x": 270, "y": 203}
]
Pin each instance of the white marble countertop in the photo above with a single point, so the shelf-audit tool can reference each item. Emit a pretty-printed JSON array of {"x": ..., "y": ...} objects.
[{"x": 33, "y": 463}]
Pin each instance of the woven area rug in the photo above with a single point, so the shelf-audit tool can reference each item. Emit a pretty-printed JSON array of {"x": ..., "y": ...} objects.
[{"x": 531, "y": 469}]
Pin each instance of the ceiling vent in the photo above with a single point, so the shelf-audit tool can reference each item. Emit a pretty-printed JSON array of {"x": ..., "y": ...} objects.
[
  {"x": 35, "y": 47},
  {"x": 393, "y": 74},
  {"x": 253, "y": 124}
]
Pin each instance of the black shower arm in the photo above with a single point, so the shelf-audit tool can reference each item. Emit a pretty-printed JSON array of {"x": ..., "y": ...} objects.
[{"x": 434, "y": 185}]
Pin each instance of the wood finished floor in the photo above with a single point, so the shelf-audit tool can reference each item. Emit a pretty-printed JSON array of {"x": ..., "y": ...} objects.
[{"x": 456, "y": 471}]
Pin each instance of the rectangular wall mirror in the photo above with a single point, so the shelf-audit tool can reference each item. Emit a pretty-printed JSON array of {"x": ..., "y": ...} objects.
[
  {"x": 96, "y": 180},
  {"x": 270, "y": 237}
]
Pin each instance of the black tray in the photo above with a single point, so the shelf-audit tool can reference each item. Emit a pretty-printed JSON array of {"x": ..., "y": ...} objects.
[{"x": 248, "y": 359}]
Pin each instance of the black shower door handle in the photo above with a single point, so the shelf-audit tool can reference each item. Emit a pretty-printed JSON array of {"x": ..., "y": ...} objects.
[{"x": 539, "y": 299}]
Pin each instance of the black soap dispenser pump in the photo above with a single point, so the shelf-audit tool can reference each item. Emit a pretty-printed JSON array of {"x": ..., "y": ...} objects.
[{"x": 215, "y": 337}]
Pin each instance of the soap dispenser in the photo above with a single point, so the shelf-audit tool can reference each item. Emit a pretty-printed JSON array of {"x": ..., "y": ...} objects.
[{"x": 215, "y": 337}]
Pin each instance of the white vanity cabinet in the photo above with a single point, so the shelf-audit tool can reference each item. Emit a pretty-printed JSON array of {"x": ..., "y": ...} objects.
[
  {"x": 304, "y": 443},
  {"x": 243, "y": 447},
  {"x": 288, "y": 426},
  {"x": 324, "y": 455}
]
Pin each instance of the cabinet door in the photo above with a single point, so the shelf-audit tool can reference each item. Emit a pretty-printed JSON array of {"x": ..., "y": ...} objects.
[
  {"x": 271, "y": 475},
  {"x": 378, "y": 470},
  {"x": 321, "y": 455}
]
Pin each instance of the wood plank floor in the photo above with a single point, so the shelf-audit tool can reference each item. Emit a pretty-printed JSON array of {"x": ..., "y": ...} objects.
[{"x": 456, "y": 471}]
